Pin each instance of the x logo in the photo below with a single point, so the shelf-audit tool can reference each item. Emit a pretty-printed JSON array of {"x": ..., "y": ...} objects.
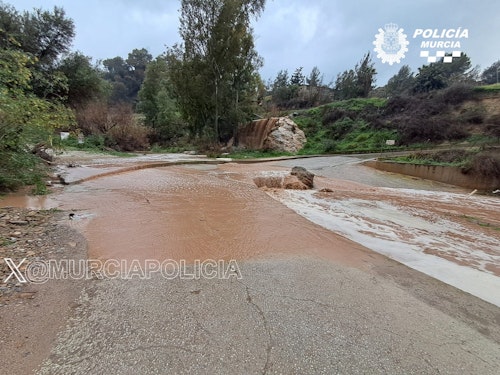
[{"x": 15, "y": 271}]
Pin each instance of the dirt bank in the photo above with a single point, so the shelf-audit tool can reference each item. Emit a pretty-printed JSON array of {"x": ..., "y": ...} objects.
[{"x": 32, "y": 314}]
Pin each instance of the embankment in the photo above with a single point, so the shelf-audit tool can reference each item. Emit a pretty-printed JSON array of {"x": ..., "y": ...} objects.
[{"x": 445, "y": 174}]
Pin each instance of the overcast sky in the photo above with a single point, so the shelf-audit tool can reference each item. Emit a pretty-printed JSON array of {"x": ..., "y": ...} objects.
[{"x": 331, "y": 34}]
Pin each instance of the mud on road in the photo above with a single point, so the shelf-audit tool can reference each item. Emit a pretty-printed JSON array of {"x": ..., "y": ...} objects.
[{"x": 309, "y": 301}]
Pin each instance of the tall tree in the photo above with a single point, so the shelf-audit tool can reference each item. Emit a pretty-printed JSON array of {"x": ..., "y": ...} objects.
[
  {"x": 126, "y": 75},
  {"x": 44, "y": 35},
  {"x": 401, "y": 82},
  {"x": 346, "y": 86},
  {"x": 492, "y": 73},
  {"x": 158, "y": 104},
  {"x": 84, "y": 79},
  {"x": 47, "y": 35},
  {"x": 439, "y": 75},
  {"x": 281, "y": 90},
  {"x": 357, "y": 82},
  {"x": 365, "y": 75},
  {"x": 315, "y": 78},
  {"x": 297, "y": 78},
  {"x": 214, "y": 70}
]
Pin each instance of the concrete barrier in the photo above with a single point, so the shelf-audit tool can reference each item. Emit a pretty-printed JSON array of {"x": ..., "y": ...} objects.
[{"x": 447, "y": 175}]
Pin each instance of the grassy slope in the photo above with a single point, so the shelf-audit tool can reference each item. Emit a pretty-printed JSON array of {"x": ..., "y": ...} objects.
[
  {"x": 359, "y": 125},
  {"x": 353, "y": 131}
]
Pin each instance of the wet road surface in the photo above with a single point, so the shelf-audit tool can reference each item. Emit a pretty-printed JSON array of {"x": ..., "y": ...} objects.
[{"x": 307, "y": 301}]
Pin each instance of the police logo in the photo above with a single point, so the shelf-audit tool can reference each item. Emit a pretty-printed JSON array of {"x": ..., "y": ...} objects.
[{"x": 391, "y": 44}]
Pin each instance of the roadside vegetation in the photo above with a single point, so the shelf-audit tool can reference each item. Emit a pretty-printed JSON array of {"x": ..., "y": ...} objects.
[
  {"x": 196, "y": 95},
  {"x": 482, "y": 161}
]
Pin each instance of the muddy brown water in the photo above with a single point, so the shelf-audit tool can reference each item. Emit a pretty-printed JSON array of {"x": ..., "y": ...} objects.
[
  {"x": 186, "y": 213},
  {"x": 200, "y": 212}
]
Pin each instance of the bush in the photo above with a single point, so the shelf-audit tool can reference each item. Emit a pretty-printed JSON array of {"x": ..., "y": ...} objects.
[
  {"x": 457, "y": 93},
  {"x": 113, "y": 127},
  {"x": 19, "y": 168},
  {"x": 474, "y": 115},
  {"x": 333, "y": 115},
  {"x": 128, "y": 137},
  {"x": 341, "y": 128},
  {"x": 484, "y": 164}
]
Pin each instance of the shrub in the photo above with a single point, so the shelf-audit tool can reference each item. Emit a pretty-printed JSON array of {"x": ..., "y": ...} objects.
[
  {"x": 333, "y": 115},
  {"x": 484, "y": 164},
  {"x": 19, "y": 168},
  {"x": 128, "y": 137},
  {"x": 473, "y": 115},
  {"x": 114, "y": 127},
  {"x": 341, "y": 128},
  {"x": 457, "y": 93}
]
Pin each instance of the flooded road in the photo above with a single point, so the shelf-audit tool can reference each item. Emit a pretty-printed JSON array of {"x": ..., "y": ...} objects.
[
  {"x": 318, "y": 291},
  {"x": 189, "y": 213},
  {"x": 199, "y": 212}
]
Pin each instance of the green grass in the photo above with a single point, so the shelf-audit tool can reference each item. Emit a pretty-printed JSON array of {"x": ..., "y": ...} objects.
[
  {"x": 447, "y": 158},
  {"x": 488, "y": 88},
  {"x": 352, "y": 132},
  {"x": 409, "y": 160},
  {"x": 248, "y": 154},
  {"x": 93, "y": 144}
]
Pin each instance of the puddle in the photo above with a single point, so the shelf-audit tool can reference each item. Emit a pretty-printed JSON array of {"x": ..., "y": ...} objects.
[{"x": 34, "y": 202}]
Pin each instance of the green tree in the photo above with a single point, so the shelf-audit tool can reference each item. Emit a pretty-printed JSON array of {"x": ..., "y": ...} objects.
[
  {"x": 401, "y": 83},
  {"x": 25, "y": 119},
  {"x": 491, "y": 74},
  {"x": 281, "y": 90},
  {"x": 315, "y": 78},
  {"x": 346, "y": 85},
  {"x": 297, "y": 77},
  {"x": 157, "y": 102},
  {"x": 440, "y": 75},
  {"x": 365, "y": 75},
  {"x": 126, "y": 75},
  {"x": 357, "y": 82},
  {"x": 84, "y": 79},
  {"x": 214, "y": 71},
  {"x": 45, "y": 36}
]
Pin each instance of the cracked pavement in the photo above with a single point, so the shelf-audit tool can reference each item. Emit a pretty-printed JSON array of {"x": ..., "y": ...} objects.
[
  {"x": 308, "y": 301},
  {"x": 292, "y": 315}
]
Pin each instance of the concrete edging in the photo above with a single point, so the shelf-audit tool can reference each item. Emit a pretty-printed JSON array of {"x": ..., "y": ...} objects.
[{"x": 447, "y": 175}]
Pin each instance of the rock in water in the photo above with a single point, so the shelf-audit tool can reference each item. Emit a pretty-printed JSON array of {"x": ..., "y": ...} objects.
[
  {"x": 298, "y": 179},
  {"x": 292, "y": 182},
  {"x": 304, "y": 176}
]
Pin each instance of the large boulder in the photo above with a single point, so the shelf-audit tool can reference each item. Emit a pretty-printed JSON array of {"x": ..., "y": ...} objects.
[{"x": 275, "y": 133}]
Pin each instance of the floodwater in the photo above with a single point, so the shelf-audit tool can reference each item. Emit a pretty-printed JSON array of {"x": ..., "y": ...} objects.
[
  {"x": 191, "y": 213},
  {"x": 200, "y": 212}
]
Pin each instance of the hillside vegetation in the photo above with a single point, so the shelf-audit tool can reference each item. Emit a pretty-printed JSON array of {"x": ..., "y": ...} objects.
[
  {"x": 456, "y": 115},
  {"x": 198, "y": 92}
]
